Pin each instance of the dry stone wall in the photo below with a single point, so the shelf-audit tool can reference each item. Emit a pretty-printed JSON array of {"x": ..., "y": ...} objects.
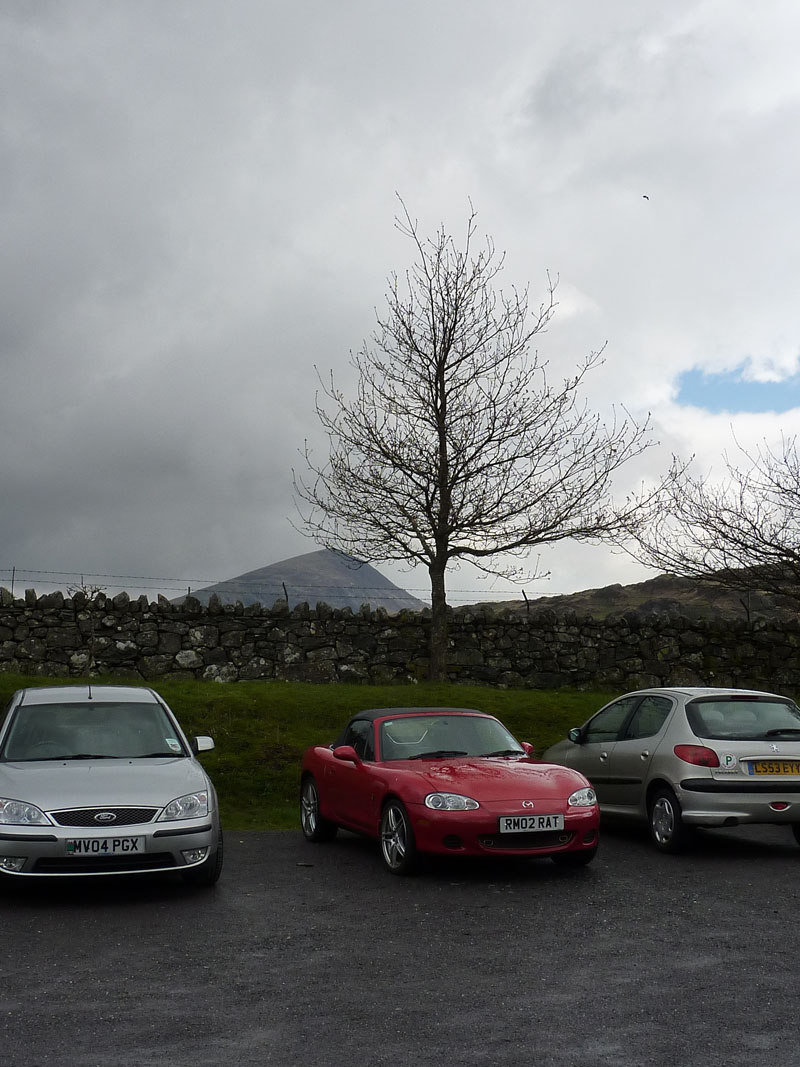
[{"x": 56, "y": 636}]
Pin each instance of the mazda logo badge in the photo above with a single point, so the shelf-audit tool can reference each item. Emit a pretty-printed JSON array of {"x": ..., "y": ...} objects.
[
  {"x": 105, "y": 816},
  {"x": 527, "y": 803}
]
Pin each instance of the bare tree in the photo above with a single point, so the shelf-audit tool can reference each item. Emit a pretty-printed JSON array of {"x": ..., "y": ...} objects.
[
  {"x": 455, "y": 446},
  {"x": 742, "y": 531}
]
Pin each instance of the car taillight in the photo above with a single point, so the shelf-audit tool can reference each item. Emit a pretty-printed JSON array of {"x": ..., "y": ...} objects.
[{"x": 699, "y": 755}]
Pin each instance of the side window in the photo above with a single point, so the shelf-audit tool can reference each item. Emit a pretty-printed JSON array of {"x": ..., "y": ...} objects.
[
  {"x": 649, "y": 717},
  {"x": 606, "y": 725},
  {"x": 359, "y": 735}
]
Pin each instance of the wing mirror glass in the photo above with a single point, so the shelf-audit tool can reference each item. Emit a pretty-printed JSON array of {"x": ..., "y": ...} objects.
[{"x": 575, "y": 735}]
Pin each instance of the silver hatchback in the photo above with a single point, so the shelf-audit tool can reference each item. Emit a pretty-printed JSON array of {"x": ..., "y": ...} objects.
[
  {"x": 101, "y": 780},
  {"x": 684, "y": 758}
]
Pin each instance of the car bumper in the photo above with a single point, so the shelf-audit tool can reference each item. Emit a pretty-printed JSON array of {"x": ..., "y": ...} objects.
[
  {"x": 476, "y": 833},
  {"x": 714, "y": 802},
  {"x": 70, "y": 851}
]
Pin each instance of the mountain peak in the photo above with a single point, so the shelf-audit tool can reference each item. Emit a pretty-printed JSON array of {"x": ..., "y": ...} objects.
[{"x": 324, "y": 576}]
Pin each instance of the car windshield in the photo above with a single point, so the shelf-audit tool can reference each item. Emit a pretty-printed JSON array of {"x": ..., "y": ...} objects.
[
  {"x": 91, "y": 730},
  {"x": 432, "y": 736},
  {"x": 744, "y": 718}
]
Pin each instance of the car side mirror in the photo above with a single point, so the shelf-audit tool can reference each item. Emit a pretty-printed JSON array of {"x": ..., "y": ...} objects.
[
  {"x": 575, "y": 735},
  {"x": 528, "y": 748},
  {"x": 201, "y": 744},
  {"x": 347, "y": 754}
]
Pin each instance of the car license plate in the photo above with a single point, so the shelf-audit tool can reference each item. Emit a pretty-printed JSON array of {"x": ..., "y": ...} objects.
[
  {"x": 518, "y": 824},
  {"x": 104, "y": 846},
  {"x": 775, "y": 766}
]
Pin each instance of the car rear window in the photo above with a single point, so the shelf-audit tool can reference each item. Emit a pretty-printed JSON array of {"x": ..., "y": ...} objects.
[{"x": 744, "y": 718}]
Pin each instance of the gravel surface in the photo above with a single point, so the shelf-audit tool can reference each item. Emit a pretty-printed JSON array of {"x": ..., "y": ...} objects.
[{"x": 314, "y": 955}]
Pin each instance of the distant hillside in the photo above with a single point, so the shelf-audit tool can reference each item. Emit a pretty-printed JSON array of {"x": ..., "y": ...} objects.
[
  {"x": 664, "y": 594},
  {"x": 323, "y": 576}
]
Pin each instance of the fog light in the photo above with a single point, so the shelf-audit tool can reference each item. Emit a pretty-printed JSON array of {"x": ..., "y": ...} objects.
[
  {"x": 12, "y": 863},
  {"x": 194, "y": 855}
]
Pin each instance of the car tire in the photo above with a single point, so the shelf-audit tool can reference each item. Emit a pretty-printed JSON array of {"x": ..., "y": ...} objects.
[
  {"x": 206, "y": 873},
  {"x": 668, "y": 831},
  {"x": 315, "y": 827},
  {"x": 398, "y": 846},
  {"x": 575, "y": 859},
  {"x": 796, "y": 831}
]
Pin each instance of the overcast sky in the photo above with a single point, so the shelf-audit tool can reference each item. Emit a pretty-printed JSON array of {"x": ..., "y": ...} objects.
[{"x": 198, "y": 199}]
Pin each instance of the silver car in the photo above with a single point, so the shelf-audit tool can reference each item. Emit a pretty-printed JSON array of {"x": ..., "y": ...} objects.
[
  {"x": 685, "y": 758},
  {"x": 101, "y": 780}
]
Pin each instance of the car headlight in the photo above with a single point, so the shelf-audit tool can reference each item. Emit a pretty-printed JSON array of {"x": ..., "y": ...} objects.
[
  {"x": 191, "y": 806},
  {"x": 18, "y": 813},
  {"x": 583, "y": 798},
  {"x": 450, "y": 802}
]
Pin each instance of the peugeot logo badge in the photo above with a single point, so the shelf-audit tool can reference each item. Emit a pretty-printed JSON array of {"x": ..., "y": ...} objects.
[
  {"x": 105, "y": 816},
  {"x": 527, "y": 803},
  {"x": 774, "y": 748}
]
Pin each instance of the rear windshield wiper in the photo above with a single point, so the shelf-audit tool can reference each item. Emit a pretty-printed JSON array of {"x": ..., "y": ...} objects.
[
  {"x": 440, "y": 752},
  {"x": 783, "y": 730}
]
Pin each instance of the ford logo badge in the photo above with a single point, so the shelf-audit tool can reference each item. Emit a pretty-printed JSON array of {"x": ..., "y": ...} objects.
[{"x": 105, "y": 816}]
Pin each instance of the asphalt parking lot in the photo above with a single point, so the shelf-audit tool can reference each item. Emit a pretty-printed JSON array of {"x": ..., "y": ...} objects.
[{"x": 314, "y": 955}]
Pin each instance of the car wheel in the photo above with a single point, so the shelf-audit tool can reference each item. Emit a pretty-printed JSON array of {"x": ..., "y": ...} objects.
[
  {"x": 667, "y": 828},
  {"x": 398, "y": 847},
  {"x": 796, "y": 831},
  {"x": 206, "y": 873},
  {"x": 575, "y": 859},
  {"x": 314, "y": 826}
]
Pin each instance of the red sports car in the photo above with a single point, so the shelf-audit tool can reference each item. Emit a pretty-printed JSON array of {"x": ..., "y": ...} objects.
[{"x": 449, "y": 781}]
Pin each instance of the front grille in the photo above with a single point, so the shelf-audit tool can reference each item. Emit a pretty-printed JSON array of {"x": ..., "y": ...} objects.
[
  {"x": 86, "y": 817},
  {"x": 104, "y": 864},
  {"x": 533, "y": 841}
]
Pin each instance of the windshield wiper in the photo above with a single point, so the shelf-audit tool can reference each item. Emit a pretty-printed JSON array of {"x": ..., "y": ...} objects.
[
  {"x": 88, "y": 755},
  {"x": 504, "y": 752},
  {"x": 439, "y": 753},
  {"x": 153, "y": 755}
]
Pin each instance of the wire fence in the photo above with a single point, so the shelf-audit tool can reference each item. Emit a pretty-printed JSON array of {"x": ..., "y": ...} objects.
[{"x": 16, "y": 579}]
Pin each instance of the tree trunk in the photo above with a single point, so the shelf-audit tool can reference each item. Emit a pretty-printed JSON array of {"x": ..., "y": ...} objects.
[{"x": 437, "y": 670}]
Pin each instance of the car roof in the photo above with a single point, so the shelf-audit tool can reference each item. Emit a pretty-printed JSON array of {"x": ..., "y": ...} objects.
[
  {"x": 79, "y": 694},
  {"x": 381, "y": 713},
  {"x": 704, "y": 691}
]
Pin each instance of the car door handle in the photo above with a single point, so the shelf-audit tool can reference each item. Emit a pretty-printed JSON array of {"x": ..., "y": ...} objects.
[
  {"x": 603, "y": 755},
  {"x": 644, "y": 755}
]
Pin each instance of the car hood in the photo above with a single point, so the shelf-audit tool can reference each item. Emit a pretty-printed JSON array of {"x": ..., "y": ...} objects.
[
  {"x": 497, "y": 779},
  {"x": 53, "y": 784}
]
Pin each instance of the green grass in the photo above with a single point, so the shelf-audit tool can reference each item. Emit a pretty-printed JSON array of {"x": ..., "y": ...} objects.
[{"x": 261, "y": 728}]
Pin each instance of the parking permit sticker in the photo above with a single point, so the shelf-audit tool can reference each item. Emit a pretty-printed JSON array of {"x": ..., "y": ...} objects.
[
  {"x": 728, "y": 761},
  {"x": 173, "y": 744}
]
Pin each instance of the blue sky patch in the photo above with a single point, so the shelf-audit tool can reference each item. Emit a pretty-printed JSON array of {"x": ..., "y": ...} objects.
[{"x": 730, "y": 392}]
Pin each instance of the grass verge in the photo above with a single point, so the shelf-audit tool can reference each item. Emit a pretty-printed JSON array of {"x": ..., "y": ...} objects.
[{"x": 261, "y": 728}]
